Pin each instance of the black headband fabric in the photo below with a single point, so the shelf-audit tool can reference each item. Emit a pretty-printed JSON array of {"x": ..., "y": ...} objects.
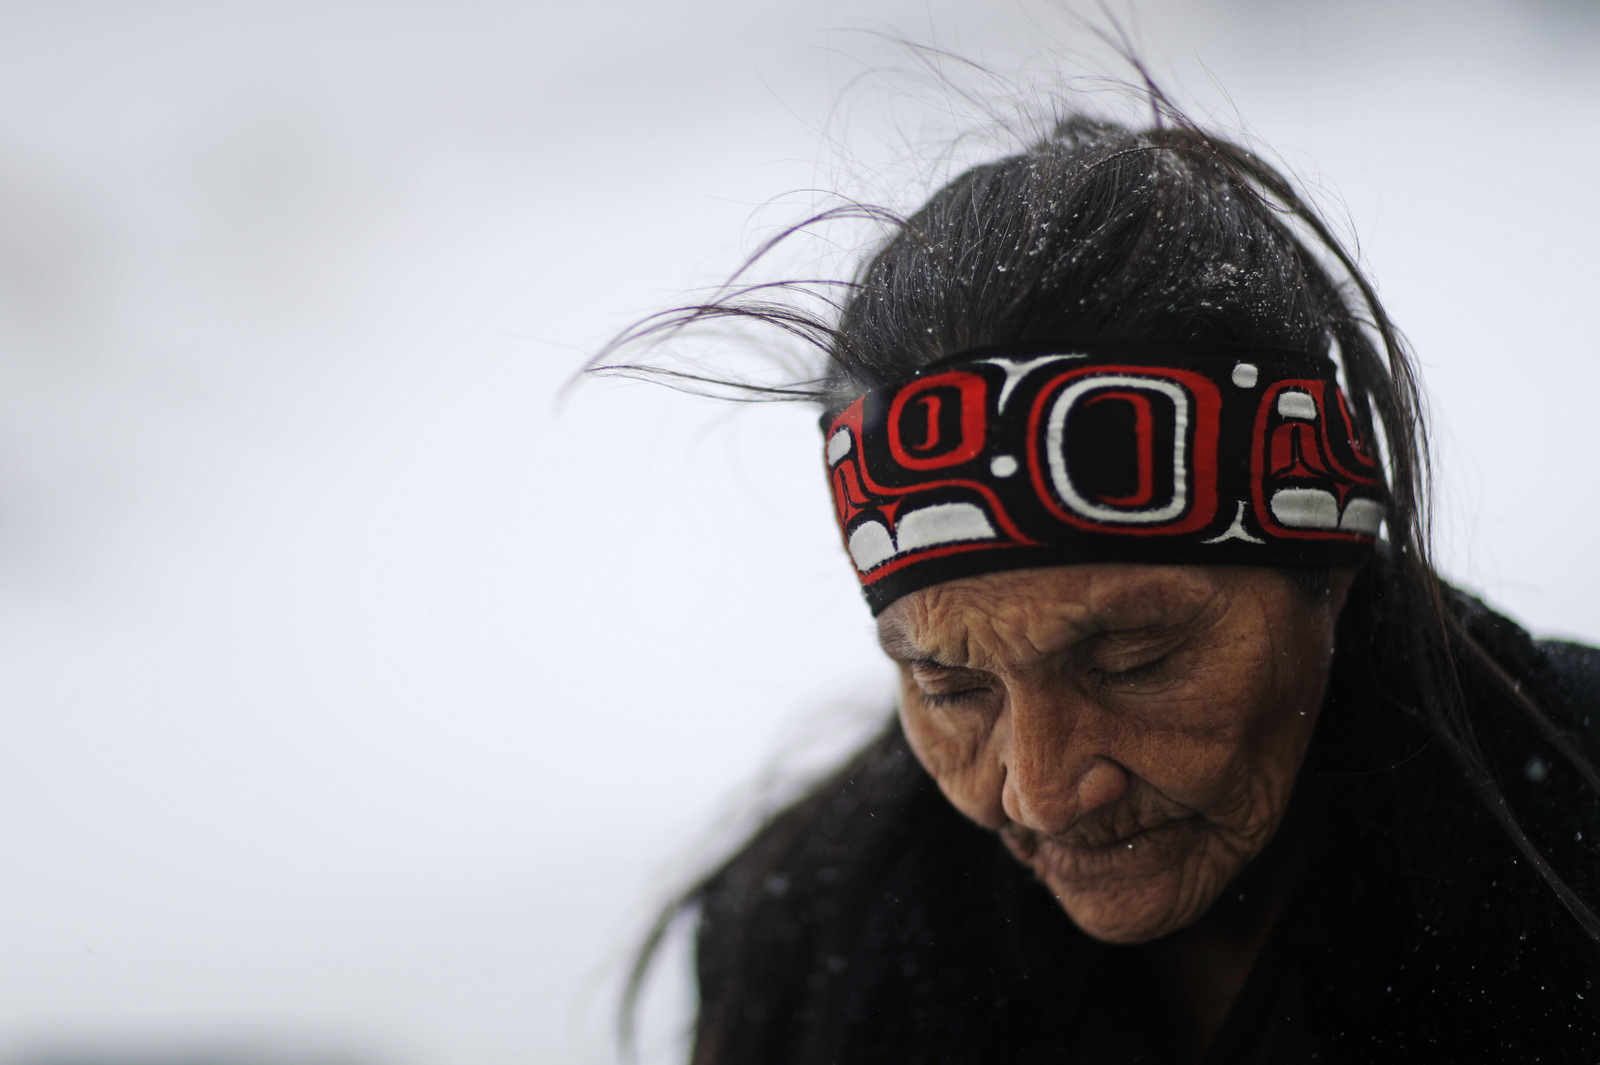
[{"x": 1040, "y": 455}]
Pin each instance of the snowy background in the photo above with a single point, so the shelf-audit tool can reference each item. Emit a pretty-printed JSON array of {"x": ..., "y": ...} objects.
[{"x": 360, "y": 700}]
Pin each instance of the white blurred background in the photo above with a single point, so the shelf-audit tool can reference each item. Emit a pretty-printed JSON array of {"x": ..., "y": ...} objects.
[{"x": 359, "y": 701}]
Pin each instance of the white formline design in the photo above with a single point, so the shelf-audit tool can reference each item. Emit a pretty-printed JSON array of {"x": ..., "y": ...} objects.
[
  {"x": 839, "y": 445},
  {"x": 1236, "y": 531},
  {"x": 1003, "y": 465},
  {"x": 1017, "y": 369},
  {"x": 872, "y": 544},
  {"x": 1055, "y": 434},
  {"x": 1298, "y": 404}
]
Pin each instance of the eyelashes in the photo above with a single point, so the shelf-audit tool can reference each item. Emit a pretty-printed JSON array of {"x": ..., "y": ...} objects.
[
  {"x": 951, "y": 687},
  {"x": 1097, "y": 677},
  {"x": 956, "y": 698},
  {"x": 1145, "y": 671}
]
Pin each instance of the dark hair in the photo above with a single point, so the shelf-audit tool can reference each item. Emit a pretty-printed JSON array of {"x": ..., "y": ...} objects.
[{"x": 1171, "y": 232}]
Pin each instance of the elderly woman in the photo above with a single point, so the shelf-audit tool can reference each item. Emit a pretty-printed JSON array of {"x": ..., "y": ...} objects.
[{"x": 1196, "y": 758}]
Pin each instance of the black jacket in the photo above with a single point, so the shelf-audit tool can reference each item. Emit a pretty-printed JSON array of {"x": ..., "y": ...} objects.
[{"x": 873, "y": 925}]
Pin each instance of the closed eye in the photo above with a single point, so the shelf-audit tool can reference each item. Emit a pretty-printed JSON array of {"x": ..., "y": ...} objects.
[
  {"x": 940, "y": 685},
  {"x": 952, "y": 698},
  {"x": 1145, "y": 671},
  {"x": 1133, "y": 658}
]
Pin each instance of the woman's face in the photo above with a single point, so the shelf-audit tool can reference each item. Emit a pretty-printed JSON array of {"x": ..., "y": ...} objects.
[{"x": 1132, "y": 731}]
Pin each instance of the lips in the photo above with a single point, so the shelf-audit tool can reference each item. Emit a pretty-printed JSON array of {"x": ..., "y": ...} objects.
[{"x": 1092, "y": 851}]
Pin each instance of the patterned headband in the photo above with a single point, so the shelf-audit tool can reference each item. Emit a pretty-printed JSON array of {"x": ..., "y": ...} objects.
[{"x": 1125, "y": 451}]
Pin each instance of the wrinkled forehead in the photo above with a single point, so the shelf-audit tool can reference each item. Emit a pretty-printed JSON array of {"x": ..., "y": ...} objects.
[{"x": 1050, "y": 607}]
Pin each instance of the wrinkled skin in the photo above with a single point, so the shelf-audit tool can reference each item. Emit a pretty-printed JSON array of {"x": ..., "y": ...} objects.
[{"x": 1133, "y": 732}]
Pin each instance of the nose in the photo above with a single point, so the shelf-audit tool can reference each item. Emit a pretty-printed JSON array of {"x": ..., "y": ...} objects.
[{"x": 1057, "y": 762}]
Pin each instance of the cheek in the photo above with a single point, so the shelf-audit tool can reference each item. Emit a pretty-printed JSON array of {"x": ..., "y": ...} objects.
[
  {"x": 1231, "y": 750},
  {"x": 1283, "y": 729},
  {"x": 955, "y": 750}
]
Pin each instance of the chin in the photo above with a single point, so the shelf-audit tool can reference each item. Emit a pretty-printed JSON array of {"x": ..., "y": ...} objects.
[
  {"x": 1131, "y": 891},
  {"x": 1135, "y": 909}
]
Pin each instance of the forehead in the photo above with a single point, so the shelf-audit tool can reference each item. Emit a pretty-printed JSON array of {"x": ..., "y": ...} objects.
[{"x": 1050, "y": 607}]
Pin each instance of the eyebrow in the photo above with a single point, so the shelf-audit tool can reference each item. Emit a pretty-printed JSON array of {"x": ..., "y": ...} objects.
[{"x": 900, "y": 647}]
